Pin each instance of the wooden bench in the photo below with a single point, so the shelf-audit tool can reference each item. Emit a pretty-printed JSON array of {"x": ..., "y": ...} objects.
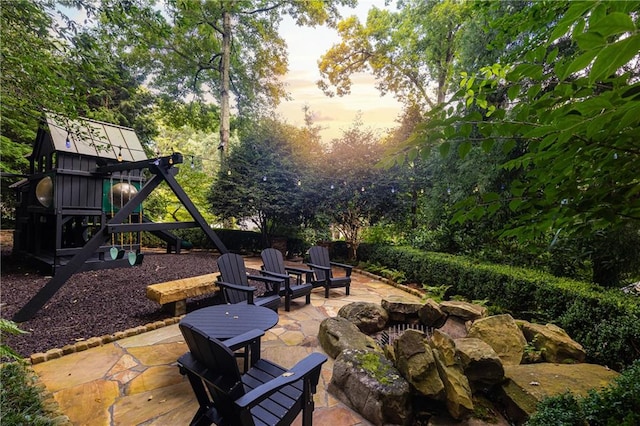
[{"x": 172, "y": 295}]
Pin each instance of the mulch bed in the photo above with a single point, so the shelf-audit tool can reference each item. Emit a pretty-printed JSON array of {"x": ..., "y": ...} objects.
[{"x": 93, "y": 303}]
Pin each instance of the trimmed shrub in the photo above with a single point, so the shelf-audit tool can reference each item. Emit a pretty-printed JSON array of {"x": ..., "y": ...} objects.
[{"x": 606, "y": 322}]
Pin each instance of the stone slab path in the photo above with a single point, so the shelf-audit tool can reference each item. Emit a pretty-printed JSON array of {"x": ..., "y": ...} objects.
[{"x": 135, "y": 380}]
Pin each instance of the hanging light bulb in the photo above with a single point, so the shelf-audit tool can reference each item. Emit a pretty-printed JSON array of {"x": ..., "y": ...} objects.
[
  {"x": 393, "y": 190},
  {"x": 332, "y": 186},
  {"x": 67, "y": 143},
  {"x": 120, "y": 154},
  {"x": 192, "y": 164},
  {"x": 264, "y": 178},
  {"x": 229, "y": 172},
  {"x": 299, "y": 182},
  {"x": 362, "y": 189}
]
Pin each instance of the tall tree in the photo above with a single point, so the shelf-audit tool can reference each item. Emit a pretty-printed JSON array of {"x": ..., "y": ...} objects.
[
  {"x": 410, "y": 52},
  {"x": 574, "y": 118},
  {"x": 352, "y": 193},
  {"x": 228, "y": 50},
  {"x": 260, "y": 181}
]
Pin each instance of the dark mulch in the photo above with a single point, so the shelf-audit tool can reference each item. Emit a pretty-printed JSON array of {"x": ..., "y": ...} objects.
[{"x": 94, "y": 303}]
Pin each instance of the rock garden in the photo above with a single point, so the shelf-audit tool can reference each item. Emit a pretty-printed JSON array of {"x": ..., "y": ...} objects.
[{"x": 399, "y": 363}]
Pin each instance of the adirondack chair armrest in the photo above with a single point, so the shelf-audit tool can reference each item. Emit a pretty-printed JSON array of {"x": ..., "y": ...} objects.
[
  {"x": 272, "y": 283},
  {"x": 297, "y": 271},
  {"x": 246, "y": 289},
  {"x": 323, "y": 268},
  {"x": 244, "y": 340},
  {"x": 286, "y": 279},
  {"x": 346, "y": 267},
  {"x": 189, "y": 364},
  {"x": 309, "y": 366},
  {"x": 279, "y": 277}
]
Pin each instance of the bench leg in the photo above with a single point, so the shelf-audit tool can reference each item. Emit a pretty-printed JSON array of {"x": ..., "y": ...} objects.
[{"x": 176, "y": 308}]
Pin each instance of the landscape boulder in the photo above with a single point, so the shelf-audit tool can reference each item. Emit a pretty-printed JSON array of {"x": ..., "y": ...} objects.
[
  {"x": 455, "y": 327},
  {"x": 503, "y": 334},
  {"x": 431, "y": 314},
  {"x": 416, "y": 363},
  {"x": 480, "y": 362},
  {"x": 337, "y": 334},
  {"x": 528, "y": 384},
  {"x": 368, "y": 317},
  {"x": 458, "y": 396},
  {"x": 459, "y": 400},
  {"x": 553, "y": 342},
  {"x": 463, "y": 310},
  {"x": 368, "y": 382},
  {"x": 400, "y": 310}
]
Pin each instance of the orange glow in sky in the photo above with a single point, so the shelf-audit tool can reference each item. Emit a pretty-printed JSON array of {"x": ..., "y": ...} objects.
[{"x": 306, "y": 45}]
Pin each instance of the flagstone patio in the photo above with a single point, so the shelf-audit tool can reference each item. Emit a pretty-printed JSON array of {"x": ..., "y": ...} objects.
[{"x": 135, "y": 380}]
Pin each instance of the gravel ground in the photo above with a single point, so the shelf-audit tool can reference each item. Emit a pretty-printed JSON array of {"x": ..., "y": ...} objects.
[{"x": 93, "y": 303}]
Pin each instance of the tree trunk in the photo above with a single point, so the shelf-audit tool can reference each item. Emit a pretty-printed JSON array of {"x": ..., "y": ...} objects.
[{"x": 225, "y": 91}]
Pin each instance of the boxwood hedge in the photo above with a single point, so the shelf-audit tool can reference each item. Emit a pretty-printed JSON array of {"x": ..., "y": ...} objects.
[{"x": 605, "y": 322}]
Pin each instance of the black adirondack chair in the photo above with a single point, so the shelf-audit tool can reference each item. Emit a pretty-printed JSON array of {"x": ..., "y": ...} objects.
[
  {"x": 323, "y": 276},
  {"x": 234, "y": 283},
  {"x": 266, "y": 394},
  {"x": 273, "y": 266}
]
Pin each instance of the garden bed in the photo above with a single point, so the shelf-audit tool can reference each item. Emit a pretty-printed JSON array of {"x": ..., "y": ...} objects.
[{"x": 93, "y": 303}]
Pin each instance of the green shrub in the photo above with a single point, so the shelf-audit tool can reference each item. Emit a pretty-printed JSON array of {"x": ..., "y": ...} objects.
[
  {"x": 236, "y": 241},
  {"x": 606, "y": 322},
  {"x": 20, "y": 398},
  {"x": 618, "y": 404}
]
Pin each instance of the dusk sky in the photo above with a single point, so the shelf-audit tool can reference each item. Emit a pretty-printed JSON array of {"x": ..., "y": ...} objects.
[{"x": 306, "y": 45}]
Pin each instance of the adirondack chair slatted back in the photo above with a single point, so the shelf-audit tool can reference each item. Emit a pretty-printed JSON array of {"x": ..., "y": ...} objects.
[
  {"x": 320, "y": 256},
  {"x": 219, "y": 360},
  {"x": 273, "y": 261},
  {"x": 232, "y": 269},
  {"x": 233, "y": 296}
]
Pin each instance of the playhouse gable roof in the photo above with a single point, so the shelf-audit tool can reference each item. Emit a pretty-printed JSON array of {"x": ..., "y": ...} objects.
[{"x": 93, "y": 138}]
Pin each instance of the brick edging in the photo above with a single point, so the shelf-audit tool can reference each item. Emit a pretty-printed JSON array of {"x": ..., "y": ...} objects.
[{"x": 93, "y": 342}]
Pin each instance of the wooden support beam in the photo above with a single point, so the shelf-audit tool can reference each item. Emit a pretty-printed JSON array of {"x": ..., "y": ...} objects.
[{"x": 76, "y": 263}]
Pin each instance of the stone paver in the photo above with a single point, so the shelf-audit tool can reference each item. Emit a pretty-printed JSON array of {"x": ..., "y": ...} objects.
[{"x": 134, "y": 380}]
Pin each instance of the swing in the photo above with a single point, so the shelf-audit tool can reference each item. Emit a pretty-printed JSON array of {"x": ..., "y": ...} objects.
[
  {"x": 115, "y": 251},
  {"x": 132, "y": 256}
]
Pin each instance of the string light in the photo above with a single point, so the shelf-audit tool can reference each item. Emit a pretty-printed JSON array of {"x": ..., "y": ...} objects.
[{"x": 202, "y": 159}]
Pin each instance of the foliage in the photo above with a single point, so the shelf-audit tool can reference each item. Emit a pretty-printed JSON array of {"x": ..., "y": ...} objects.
[
  {"x": 568, "y": 116},
  {"x": 605, "y": 322},
  {"x": 348, "y": 191},
  {"x": 10, "y": 327},
  {"x": 21, "y": 400},
  {"x": 194, "y": 175},
  {"x": 187, "y": 48},
  {"x": 383, "y": 271},
  {"x": 617, "y": 404},
  {"x": 260, "y": 182},
  {"x": 410, "y": 52}
]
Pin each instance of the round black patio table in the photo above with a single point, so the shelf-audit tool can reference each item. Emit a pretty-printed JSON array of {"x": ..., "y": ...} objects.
[{"x": 226, "y": 321}]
